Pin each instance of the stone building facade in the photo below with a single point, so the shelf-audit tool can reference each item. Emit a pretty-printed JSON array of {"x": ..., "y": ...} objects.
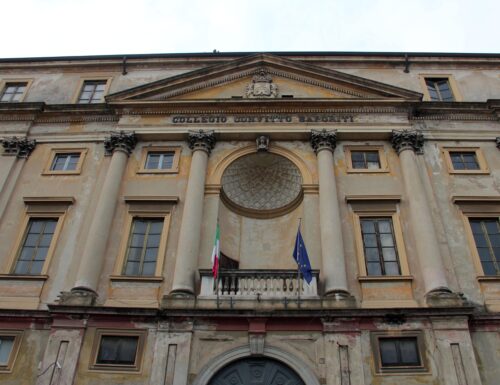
[{"x": 116, "y": 172}]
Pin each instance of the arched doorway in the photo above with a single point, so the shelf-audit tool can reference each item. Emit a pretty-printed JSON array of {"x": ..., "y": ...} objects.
[{"x": 256, "y": 371}]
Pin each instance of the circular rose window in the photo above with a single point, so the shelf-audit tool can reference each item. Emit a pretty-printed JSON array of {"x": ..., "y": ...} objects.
[{"x": 262, "y": 185}]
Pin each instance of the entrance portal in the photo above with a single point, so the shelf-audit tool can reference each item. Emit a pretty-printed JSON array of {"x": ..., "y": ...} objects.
[{"x": 256, "y": 371}]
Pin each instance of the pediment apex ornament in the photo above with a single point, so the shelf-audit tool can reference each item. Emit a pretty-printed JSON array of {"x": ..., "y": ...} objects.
[
  {"x": 407, "y": 140},
  {"x": 262, "y": 86}
]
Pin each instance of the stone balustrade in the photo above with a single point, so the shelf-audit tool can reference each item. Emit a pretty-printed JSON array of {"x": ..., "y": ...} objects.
[{"x": 258, "y": 283}]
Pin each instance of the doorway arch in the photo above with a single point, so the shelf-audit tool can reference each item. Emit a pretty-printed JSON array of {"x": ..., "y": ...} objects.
[{"x": 219, "y": 363}]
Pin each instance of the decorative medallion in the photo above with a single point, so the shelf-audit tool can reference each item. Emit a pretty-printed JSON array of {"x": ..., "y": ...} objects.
[
  {"x": 262, "y": 86},
  {"x": 262, "y": 185}
]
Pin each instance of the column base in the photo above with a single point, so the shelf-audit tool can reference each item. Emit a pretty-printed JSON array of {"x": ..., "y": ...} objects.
[
  {"x": 78, "y": 296},
  {"x": 444, "y": 297},
  {"x": 178, "y": 300},
  {"x": 339, "y": 298}
]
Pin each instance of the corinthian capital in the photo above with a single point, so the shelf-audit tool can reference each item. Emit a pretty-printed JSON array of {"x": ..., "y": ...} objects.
[
  {"x": 201, "y": 140},
  {"x": 321, "y": 139},
  {"x": 120, "y": 141},
  {"x": 407, "y": 140},
  {"x": 20, "y": 147}
]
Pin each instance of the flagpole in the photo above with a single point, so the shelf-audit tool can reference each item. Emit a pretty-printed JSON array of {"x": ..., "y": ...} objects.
[{"x": 298, "y": 267}]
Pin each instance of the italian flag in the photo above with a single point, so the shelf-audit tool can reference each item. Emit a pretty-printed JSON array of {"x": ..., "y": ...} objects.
[{"x": 216, "y": 253}]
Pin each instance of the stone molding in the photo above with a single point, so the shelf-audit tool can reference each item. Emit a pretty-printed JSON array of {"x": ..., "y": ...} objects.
[
  {"x": 19, "y": 147},
  {"x": 407, "y": 140},
  {"x": 217, "y": 363},
  {"x": 120, "y": 141},
  {"x": 201, "y": 140},
  {"x": 323, "y": 139},
  {"x": 77, "y": 297}
]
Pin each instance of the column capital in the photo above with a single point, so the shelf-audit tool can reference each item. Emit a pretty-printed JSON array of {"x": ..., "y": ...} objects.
[
  {"x": 201, "y": 140},
  {"x": 19, "y": 147},
  {"x": 323, "y": 139},
  {"x": 407, "y": 140},
  {"x": 121, "y": 141},
  {"x": 497, "y": 140}
]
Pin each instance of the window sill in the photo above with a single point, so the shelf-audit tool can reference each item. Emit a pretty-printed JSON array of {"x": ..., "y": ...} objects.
[
  {"x": 16, "y": 277},
  {"x": 48, "y": 173},
  {"x": 379, "y": 278},
  {"x": 168, "y": 171},
  {"x": 469, "y": 172},
  {"x": 130, "y": 278},
  {"x": 403, "y": 372},
  {"x": 367, "y": 171},
  {"x": 488, "y": 278}
]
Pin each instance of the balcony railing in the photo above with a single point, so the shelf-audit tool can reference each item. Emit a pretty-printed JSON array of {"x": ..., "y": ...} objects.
[{"x": 258, "y": 284}]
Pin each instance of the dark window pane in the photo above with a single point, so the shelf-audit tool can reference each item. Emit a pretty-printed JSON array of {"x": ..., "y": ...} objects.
[
  {"x": 492, "y": 227},
  {"x": 373, "y": 268},
  {"x": 409, "y": 352},
  {"x": 391, "y": 268},
  {"x": 480, "y": 240},
  {"x": 22, "y": 267},
  {"x": 153, "y": 240},
  {"x": 151, "y": 254},
  {"x": 132, "y": 268},
  {"x": 117, "y": 350},
  {"x": 372, "y": 254},
  {"x": 36, "y": 267},
  {"x": 140, "y": 226},
  {"x": 357, "y": 156},
  {"x": 137, "y": 240},
  {"x": 149, "y": 268},
  {"x": 367, "y": 226},
  {"x": 389, "y": 254},
  {"x": 370, "y": 240},
  {"x": 484, "y": 254},
  {"x": 489, "y": 268},
  {"x": 6, "y": 345},
  {"x": 388, "y": 352},
  {"x": 384, "y": 226},
  {"x": 156, "y": 227}
]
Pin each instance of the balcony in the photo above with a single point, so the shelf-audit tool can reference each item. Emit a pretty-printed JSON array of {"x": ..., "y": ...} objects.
[{"x": 258, "y": 284}]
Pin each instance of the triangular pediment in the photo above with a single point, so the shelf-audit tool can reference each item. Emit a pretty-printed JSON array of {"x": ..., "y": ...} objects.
[{"x": 261, "y": 77}]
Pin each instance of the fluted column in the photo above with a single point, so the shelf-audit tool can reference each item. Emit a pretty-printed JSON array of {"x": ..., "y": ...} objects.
[
  {"x": 332, "y": 246},
  {"x": 201, "y": 142},
  {"x": 119, "y": 146},
  {"x": 407, "y": 143}
]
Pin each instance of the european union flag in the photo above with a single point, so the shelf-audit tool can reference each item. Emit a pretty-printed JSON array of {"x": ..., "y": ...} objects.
[{"x": 301, "y": 257}]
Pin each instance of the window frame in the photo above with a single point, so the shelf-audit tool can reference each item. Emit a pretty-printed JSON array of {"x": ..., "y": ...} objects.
[
  {"x": 18, "y": 335},
  {"x": 483, "y": 166},
  {"x": 348, "y": 149},
  {"x": 54, "y": 152},
  {"x": 4, "y": 83},
  {"x": 139, "y": 212},
  {"x": 141, "y": 334},
  {"x": 451, "y": 81},
  {"x": 398, "y": 237},
  {"x": 375, "y": 338},
  {"x": 466, "y": 216},
  {"x": 153, "y": 149},
  {"x": 97, "y": 78},
  {"x": 55, "y": 208}
]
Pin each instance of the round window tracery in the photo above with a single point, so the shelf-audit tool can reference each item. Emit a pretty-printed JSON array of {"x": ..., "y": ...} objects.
[{"x": 262, "y": 185}]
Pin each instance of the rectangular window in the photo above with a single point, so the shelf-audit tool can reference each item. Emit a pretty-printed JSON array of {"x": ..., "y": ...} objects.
[
  {"x": 486, "y": 233},
  {"x": 35, "y": 246},
  {"x": 399, "y": 353},
  {"x": 65, "y": 161},
  {"x": 439, "y": 89},
  {"x": 365, "y": 160},
  {"x": 464, "y": 160},
  {"x": 13, "y": 92},
  {"x": 9, "y": 346},
  {"x": 159, "y": 160},
  {"x": 118, "y": 350},
  {"x": 143, "y": 247},
  {"x": 92, "y": 91},
  {"x": 379, "y": 245}
]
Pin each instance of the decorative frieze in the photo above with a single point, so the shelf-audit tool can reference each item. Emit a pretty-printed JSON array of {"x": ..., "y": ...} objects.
[
  {"x": 20, "y": 147},
  {"x": 324, "y": 138},
  {"x": 120, "y": 141},
  {"x": 201, "y": 140},
  {"x": 407, "y": 140}
]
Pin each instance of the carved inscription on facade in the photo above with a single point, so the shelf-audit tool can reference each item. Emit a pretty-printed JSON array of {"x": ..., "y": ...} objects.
[{"x": 278, "y": 118}]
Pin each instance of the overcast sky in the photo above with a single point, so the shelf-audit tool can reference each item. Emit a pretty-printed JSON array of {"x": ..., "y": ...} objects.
[{"x": 95, "y": 27}]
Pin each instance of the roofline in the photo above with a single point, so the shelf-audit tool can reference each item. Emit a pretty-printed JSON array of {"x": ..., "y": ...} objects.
[{"x": 242, "y": 54}]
